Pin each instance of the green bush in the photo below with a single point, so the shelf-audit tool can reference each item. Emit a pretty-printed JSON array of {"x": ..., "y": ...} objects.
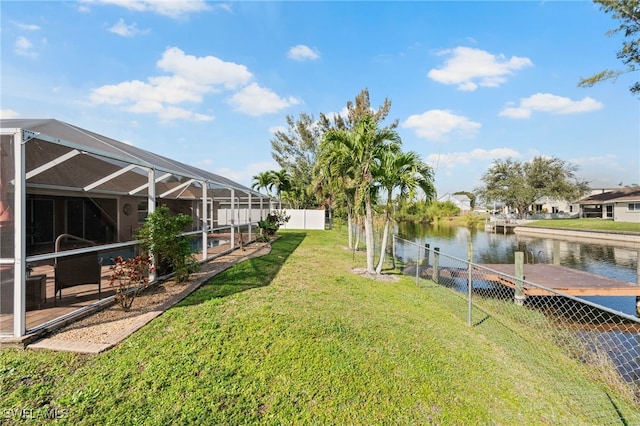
[
  {"x": 272, "y": 223},
  {"x": 161, "y": 236}
]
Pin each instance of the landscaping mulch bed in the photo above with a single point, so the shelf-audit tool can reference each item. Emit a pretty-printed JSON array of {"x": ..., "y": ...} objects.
[{"x": 113, "y": 324}]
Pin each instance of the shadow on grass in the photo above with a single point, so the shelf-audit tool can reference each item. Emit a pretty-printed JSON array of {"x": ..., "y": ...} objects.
[{"x": 251, "y": 273}]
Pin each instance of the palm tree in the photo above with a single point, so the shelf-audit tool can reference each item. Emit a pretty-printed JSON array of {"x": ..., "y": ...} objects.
[
  {"x": 404, "y": 172},
  {"x": 361, "y": 148},
  {"x": 335, "y": 174},
  {"x": 263, "y": 180},
  {"x": 282, "y": 181}
]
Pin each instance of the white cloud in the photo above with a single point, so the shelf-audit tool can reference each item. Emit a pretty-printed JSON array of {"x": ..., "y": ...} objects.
[
  {"x": 8, "y": 113},
  {"x": 303, "y": 53},
  {"x": 26, "y": 27},
  {"x": 124, "y": 30},
  {"x": 546, "y": 102},
  {"x": 207, "y": 70},
  {"x": 469, "y": 68},
  {"x": 604, "y": 171},
  {"x": 189, "y": 80},
  {"x": 453, "y": 159},
  {"x": 168, "y": 8},
  {"x": 274, "y": 129},
  {"x": 438, "y": 125},
  {"x": 245, "y": 176},
  {"x": 24, "y": 47},
  {"x": 256, "y": 100}
]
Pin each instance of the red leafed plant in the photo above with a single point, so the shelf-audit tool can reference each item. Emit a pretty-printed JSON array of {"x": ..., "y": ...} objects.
[{"x": 129, "y": 277}]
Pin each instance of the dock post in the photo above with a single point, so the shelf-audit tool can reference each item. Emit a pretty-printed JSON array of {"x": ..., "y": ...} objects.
[
  {"x": 436, "y": 262},
  {"x": 469, "y": 281},
  {"x": 556, "y": 252},
  {"x": 519, "y": 274}
]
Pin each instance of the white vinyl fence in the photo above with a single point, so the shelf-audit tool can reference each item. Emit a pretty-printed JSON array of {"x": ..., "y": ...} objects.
[{"x": 304, "y": 219}]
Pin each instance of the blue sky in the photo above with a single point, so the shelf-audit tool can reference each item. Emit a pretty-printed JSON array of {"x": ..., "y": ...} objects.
[{"x": 208, "y": 83}]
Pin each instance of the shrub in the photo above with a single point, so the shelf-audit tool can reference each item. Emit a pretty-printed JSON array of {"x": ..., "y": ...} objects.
[
  {"x": 129, "y": 277},
  {"x": 161, "y": 236},
  {"x": 272, "y": 223}
]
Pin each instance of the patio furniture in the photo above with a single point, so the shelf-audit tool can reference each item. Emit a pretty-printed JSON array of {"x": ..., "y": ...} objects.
[
  {"x": 77, "y": 269},
  {"x": 36, "y": 291}
]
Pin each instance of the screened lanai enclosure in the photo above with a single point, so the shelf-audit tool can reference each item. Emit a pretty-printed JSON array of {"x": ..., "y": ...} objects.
[{"x": 71, "y": 200}]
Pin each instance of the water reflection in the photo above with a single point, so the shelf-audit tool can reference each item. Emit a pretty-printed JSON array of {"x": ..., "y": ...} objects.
[{"x": 596, "y": 257}]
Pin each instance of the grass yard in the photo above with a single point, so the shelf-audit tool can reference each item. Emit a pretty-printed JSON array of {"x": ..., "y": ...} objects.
[
  {"x": 295, "y": 338},
  {"x": 588, "y": 224}
]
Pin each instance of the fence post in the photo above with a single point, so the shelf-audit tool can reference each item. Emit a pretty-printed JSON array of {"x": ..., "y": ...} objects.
[
  {"x": 519, "y": 296},
  {"x": 436, "y": 262},
  {"x": 426, "y": 255},
  {"x": 469, "y": 281},
  {"x": 418, "y": 265},
  {"x": 638, "y": 283},
  {"x": 393, "y": 251}
]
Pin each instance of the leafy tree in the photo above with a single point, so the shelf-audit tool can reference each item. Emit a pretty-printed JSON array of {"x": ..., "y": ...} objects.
[
  {"x": 295, "y": 151},
  {"x": 404, "y": 172},
  {"x": 356, "y": 111},
  {"x": 439, "y": 209},
  {"x": 628, "y": 12},
  {"x": 519, "y": 184}
]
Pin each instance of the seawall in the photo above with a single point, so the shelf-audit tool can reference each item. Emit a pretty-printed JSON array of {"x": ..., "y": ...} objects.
[{"x": 620, "y": 239}]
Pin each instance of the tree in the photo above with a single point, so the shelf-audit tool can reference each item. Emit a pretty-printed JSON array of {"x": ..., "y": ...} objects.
[
  {"x": 363, "y": 146},
  {"x": 336, "y": 182},
  {"x": 404, "y": 172},
  {"x": 282, "y": 181},
  {"x": 356, "y": 111},
  {"x": 295, "y": 151},
  {"x": 263, "y": 180},
  {"x": 519, "y": 184},
  {"x": 628, "y": 12}
]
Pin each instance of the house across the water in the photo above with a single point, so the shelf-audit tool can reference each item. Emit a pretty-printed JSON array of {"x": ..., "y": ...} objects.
[{"x": 619, "y": 204}]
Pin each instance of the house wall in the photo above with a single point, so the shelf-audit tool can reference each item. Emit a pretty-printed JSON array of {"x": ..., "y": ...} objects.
[
  {"x": 127, "y": 223},
  {"x": 621, "y": 213}
]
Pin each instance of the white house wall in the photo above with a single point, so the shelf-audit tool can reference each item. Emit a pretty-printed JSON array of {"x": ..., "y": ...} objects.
[{"x": 621, "y": 213}]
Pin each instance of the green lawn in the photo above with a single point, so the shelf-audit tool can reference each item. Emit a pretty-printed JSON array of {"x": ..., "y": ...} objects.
[
  {"x": 588, "y": 224},
  {"x": 295, "y": 338}
]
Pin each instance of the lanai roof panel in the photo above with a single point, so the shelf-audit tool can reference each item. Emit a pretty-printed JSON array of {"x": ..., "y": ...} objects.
[{"x": 64, "y": 134}]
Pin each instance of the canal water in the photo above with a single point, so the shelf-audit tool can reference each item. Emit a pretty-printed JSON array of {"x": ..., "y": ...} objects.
[{"x": 595, "y": 257}]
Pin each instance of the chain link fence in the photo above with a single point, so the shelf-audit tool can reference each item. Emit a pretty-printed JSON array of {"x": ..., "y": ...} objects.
[{"x": 604, "y": 341}]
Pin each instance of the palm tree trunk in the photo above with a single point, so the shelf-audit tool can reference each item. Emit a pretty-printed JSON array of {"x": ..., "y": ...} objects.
[
  {"x": 350, "y": 229},
  {"x": 383, "y": 245},
  {"x": 368, "y": 235}
]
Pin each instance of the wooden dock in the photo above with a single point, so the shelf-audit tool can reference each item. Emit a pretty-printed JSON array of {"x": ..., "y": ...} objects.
[
  {"x": 560, "y": 278},
  {"x": 502, "y": 226}
]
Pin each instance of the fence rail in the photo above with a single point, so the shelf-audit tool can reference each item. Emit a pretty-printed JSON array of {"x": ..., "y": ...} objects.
[{"x": 605, "y": 340}]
